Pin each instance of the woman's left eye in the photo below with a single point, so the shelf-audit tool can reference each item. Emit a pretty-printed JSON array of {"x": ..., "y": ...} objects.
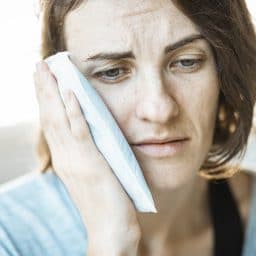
[{"x": 187, "y": 64}]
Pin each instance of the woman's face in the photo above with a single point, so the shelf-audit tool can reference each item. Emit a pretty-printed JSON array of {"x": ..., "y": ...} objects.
[{"x": 151, "y": 91}]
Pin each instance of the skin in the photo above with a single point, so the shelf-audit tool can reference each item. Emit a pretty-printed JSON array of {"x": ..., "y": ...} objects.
[
  {"x": 154, "y": 96},
  {"x": 158, "y": 96},
  {"x": 153, "y": 100}
]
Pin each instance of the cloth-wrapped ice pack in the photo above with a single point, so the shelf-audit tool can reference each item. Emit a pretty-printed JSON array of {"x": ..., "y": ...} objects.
[{"x": 105, "y": 132}]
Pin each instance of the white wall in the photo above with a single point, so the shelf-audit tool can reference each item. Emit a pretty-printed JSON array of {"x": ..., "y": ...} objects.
[
  {"x": 19, "y": 51},
  {"x": 252, "y": 7}
]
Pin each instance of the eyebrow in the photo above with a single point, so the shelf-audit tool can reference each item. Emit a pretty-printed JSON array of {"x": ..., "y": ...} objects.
[{"x": 122, "y": 55}]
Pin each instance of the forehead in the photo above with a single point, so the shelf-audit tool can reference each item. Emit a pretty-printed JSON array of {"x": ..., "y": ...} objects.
[{"x": 119, "y": 23}]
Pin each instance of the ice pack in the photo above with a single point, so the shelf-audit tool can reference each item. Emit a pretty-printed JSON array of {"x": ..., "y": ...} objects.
[{"x": 105, "y": 131}]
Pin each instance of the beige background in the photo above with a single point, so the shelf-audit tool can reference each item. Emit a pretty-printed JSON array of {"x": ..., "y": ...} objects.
[{"x": 17, "y": 150}]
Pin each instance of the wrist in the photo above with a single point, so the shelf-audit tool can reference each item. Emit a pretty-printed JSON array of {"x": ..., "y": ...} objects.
[
  {"x": 120, "y": 246},
  {"x": 112, "y": 252}
]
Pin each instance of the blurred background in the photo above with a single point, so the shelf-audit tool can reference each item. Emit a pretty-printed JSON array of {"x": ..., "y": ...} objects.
[{"x": 20, "y": 37}]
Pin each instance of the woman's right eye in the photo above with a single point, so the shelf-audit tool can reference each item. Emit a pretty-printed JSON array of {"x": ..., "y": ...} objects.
[{"x": 111, "y": 74}]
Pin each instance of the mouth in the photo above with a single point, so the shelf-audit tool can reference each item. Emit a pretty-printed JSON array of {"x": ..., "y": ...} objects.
[{"x": 162, "y": 149}]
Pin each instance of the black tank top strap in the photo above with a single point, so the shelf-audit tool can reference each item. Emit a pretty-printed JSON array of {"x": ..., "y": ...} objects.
[{"x": 226, "y": 220}]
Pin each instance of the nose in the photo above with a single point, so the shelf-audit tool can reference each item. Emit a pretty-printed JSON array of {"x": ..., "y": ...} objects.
[{"x": 155, "y": 103}]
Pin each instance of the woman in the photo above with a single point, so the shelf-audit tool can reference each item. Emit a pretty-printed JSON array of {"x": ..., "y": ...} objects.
[{"x": 167, "y": 70}]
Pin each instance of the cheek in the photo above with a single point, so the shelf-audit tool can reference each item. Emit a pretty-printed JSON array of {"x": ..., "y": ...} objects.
[
  {"x": 207, "y": 108},
  {"x": 201, "y": 106},
  {"x": 118, "y": 103}
]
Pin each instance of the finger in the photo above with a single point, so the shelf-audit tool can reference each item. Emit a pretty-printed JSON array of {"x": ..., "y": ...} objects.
[
  {"x": 78, "y": 125},
  {"x": 52, "y": 111}
]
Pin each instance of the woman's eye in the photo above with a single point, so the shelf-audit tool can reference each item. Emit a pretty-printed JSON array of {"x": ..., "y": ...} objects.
[
  {"x": 187, "y": 64},
  {"x": 111, "y": 74}
]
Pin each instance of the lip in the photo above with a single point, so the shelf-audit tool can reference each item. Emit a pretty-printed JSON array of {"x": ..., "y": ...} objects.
[
  {"x": 159, "y": 150},
  {"x": 156, "y": 141}
]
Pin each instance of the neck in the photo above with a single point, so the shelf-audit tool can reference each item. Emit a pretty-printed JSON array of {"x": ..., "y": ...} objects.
[{"x": 182, "y": 214}]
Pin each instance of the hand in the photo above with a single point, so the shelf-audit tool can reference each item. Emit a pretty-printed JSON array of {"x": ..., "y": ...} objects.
[{"x": 107, "y": 212}]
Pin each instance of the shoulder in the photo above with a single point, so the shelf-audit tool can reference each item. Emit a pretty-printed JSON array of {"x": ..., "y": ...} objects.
[
  {"x": 36, "y": 192},
  {"x": 39, "y": 218},
  {"x": 243, "y": 183},
  {"x": 243, "y": 186}
]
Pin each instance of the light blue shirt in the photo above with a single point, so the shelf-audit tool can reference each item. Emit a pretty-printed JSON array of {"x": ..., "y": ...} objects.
[{"x": 38, "y": 218}]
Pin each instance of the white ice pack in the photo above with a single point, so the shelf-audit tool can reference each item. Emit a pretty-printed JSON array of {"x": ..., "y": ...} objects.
[{"x": 106, "y": 134}]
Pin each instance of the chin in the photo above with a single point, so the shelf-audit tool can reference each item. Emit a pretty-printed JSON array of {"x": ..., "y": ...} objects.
[
  {"x": 169, "y": 178},
  {"x": 172, "y": 173}
]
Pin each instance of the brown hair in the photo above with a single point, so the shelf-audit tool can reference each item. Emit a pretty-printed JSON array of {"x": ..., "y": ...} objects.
[{"x": 227, "y": 27}]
